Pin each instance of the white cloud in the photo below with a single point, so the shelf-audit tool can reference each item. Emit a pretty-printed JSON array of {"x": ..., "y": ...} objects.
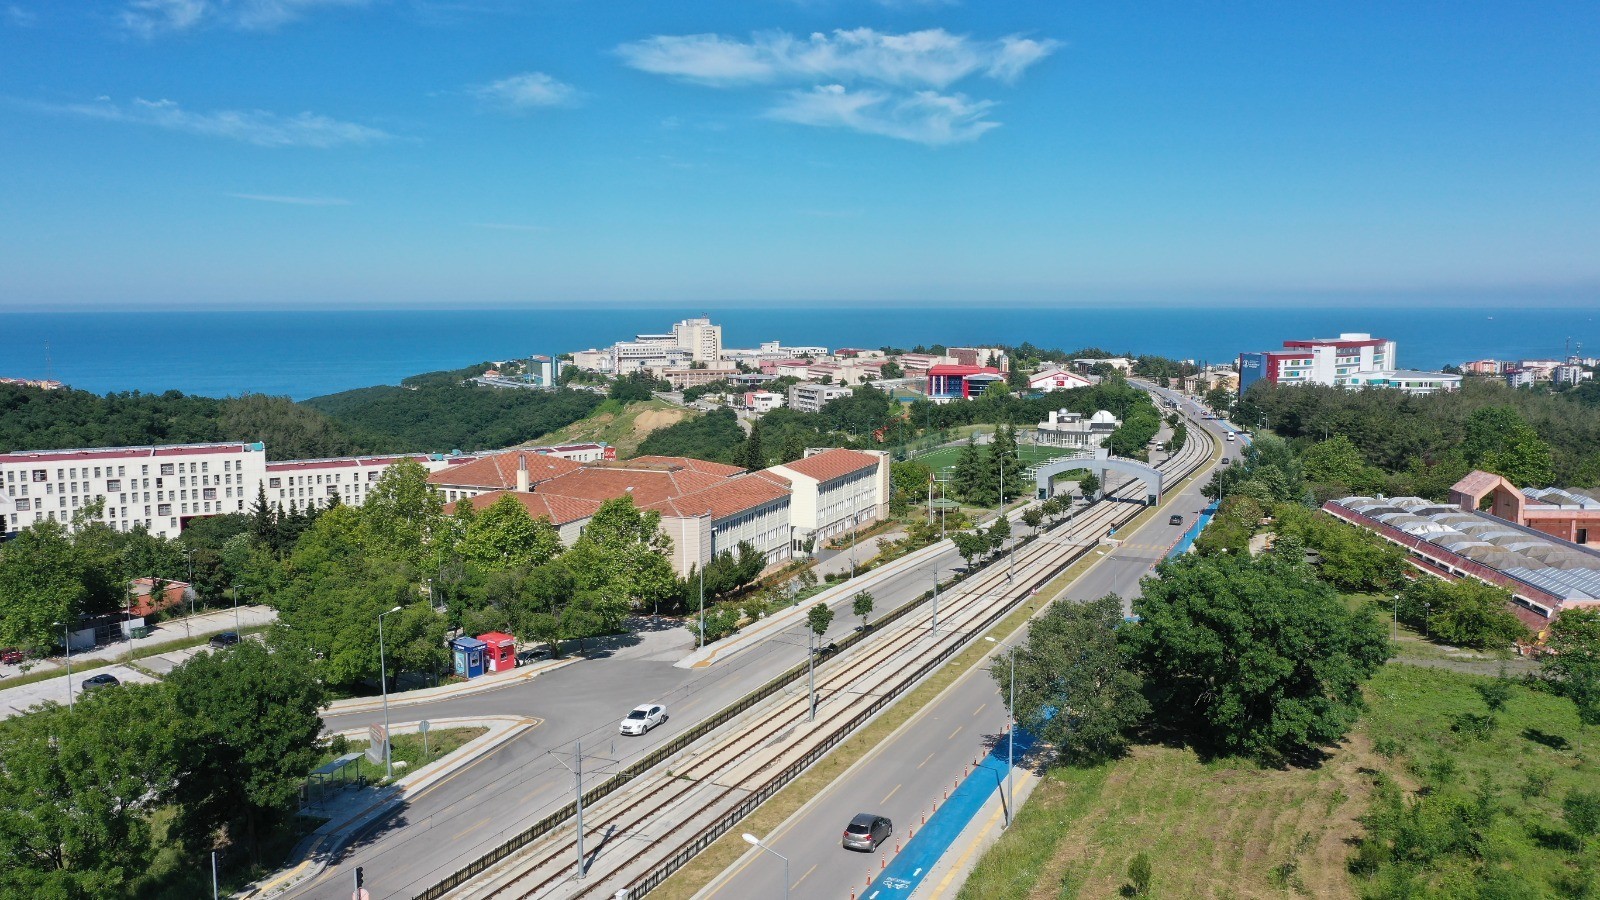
[
  {"x": 931, "y": 58},
  {"x": 292, "y": 201},
  {"x": 251, "y": 126},
  {"x": 153, "y": 17},
  {"x": 926, "y": 117},
  {"x": 16, "y": 15},
  {"x": 530, "y": 90},
  {"x": 895, "y": 85}
]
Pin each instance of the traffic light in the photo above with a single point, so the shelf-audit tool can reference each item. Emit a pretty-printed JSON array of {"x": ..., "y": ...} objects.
[{"x": 361, "y": 877}]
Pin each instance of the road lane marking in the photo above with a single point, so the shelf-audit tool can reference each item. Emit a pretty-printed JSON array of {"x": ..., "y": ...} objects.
[
  {"x": 981, "y": 707},
  {"x": 803, "y": 877},
  {"x": 954, "y": 733},
  {"x": 924, "y": 762},
  {"x": 888, "y": 795}
]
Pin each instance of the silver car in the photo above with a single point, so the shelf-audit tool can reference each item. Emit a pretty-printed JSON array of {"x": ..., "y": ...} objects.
[{"x": 866, "y": 831}]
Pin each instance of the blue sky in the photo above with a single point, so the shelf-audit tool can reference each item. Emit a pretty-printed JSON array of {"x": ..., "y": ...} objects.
[{"x": 346, "y": 153}]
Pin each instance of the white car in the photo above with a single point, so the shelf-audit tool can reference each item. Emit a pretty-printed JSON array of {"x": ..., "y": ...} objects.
[{"x": 643, "y": 718}]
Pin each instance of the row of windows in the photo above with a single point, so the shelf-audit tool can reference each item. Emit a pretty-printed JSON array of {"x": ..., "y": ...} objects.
[{"x": 182, "y": 468}]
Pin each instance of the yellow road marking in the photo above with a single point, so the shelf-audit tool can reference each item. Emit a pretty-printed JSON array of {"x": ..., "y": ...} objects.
[
  {"x": 803, "y": 877},
  {"x": 954, "y": 733},
  {"x": 888, "y": 795},
  {"x": 981, "y": 707},
  {"x": 924, "y": 762}
]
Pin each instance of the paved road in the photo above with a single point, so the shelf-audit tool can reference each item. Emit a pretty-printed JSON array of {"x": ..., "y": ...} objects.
[
  {"x": 498, "y": 795},
  {"x": 902, "y": 776}
]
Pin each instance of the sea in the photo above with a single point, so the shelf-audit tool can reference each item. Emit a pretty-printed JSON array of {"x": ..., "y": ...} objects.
[{"x": 302, "y": 354}]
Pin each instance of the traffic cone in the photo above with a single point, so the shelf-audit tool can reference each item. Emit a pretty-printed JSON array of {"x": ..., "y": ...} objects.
[{"x": 883, "y": 860}]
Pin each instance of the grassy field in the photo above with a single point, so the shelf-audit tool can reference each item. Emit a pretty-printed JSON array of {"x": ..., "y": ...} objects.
[
  {"x": 945, "y": 457},
  {"x": 623, "y": 427},
  {"x": 1228, "y": 828}
]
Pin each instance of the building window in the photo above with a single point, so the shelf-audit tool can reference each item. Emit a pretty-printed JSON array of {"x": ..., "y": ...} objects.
[
  {"x": 209, "y": 494},
  {"x": 114, "y": 484},
  {"x": 41, "y": 475},
  {"x": 168, "y": 469},
  {"x": 274, "y": 482},
  {"x": 164, "y": 509}
]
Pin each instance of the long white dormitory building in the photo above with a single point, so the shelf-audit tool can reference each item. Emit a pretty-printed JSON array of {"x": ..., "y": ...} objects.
[{"x": 162, "y": 487}]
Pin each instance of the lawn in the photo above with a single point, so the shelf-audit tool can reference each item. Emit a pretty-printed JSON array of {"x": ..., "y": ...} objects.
[
  {"x": 1228, "y": 828},
  {"x": 407, "y": 748}
]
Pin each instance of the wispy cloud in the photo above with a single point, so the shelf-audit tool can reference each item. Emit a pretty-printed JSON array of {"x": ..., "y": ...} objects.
[
  {"x": 926, "y": 117},
  {"x": 153, "y": 17},
  {"x": 251, "y": 126},
  {"x": 528, "y": 91},
  {"x": 17, "y": 15},
  {"x": 292, "y": 201},
  {"x": 511, "y": 226},
  {"x": 893, "y": 85},
  {"x": 931, "y": 58}
]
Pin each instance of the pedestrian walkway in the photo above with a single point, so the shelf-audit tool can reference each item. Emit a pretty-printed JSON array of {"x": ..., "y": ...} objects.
[
  {"x": 491, "y": 681},
  {"x": 901, "y": 877},
  {"x": 164, "y": 632},
  {"x": 352, "y": 810},
  {"x": 1188, "y": 539}
]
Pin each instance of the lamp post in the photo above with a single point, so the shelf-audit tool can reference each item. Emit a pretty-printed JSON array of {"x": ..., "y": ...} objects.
[
  {"x": 66, "y": 640},
  {"x": 236, "y": 627},
  {"x": 754, "y": 841},
  {"x": 811, "y": 672},
  {"x": 1396, "y": 629},
  {"x": 187, "y": 628},
  {"x": 383, "y": 682},
  {"x": 1427, "y": 620},
  {"x": 1011, "y": 711},
  {"x": 701, "y": 570}
]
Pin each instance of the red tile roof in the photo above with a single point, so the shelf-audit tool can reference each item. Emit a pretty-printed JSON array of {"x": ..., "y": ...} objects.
[
  {"x": 831, "y": 464},
  {"x": 647, "y": 486},
  {"x": 684, "y": 462},
  {"x": 729, "y": 498},
  {"x": 559, "y": 510},
  {"x": 499, "y": 471}
]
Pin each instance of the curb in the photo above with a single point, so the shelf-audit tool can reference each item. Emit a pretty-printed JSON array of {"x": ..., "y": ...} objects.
[
  {"x": 480, "y": 685},
  {"x": 314, "y": 850}
]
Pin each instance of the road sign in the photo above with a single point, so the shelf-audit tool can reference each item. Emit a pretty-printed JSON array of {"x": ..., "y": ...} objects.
[
  {"x": 377, "y": 743},
  {"x": 423, "y": 726}
]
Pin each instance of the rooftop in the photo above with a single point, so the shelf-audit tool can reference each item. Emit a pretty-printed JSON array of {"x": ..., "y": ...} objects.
[{"x": 831, "y": 464}]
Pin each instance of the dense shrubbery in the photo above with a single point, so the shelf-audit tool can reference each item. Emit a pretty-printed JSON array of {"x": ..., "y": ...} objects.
[
  {"x": 715, "y": 436},
  {"x": 444, "y": 415}
]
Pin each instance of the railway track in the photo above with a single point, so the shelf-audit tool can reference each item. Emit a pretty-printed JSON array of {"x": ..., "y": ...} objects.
[{"x": 672, "y": 811}]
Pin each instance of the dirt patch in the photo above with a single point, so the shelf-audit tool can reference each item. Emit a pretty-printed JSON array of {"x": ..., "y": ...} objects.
[{"x": 650, "y": 420}]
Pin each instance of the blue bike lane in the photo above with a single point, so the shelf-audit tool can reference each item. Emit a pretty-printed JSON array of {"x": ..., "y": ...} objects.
[{"x": 931, "y": 841}]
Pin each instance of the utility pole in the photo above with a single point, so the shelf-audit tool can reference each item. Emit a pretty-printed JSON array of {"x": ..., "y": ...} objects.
[
  {"x": 701, "y": 569},
  {"x": 1011, "y": 736},
  {"x": 383, "y": 681},
  {"x": 577, "y": 783},
  {"x": 811, "y": 672},
  {"x": 935, "y": 602},
  {"x": 66, "y": 640},
  {"x": 187, "y": 628},
  {"x": 855, "y": 518}
]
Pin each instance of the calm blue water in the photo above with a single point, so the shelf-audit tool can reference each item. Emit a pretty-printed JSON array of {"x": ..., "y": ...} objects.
[{"x": 303, "y": 354}]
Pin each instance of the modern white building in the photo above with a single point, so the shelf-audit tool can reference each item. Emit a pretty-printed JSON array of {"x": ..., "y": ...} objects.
[
  {"x": 1069, "y": 429},
  {"x": 1352, "y": 360},
  {"x": 809, "y": 397},
  {"x": 302, "y": 483},
  {"x": 160, "y": 487},
  {"x": 700, "y": 338},
  {"x": 1053, "y": 379},
  {"x": 833, "y": 491}
]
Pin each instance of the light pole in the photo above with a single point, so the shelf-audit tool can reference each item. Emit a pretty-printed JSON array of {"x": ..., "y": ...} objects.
[
  {"x": 66, "y": 640},
  {"x": 1427, "y": 620},
  {"x": 383, "y": 682},
  {"x": 701, "y": 569},
  {"x": 1396, "y": 629},
  {"x": 1011, "y": 710},
  {"x": 811, "y": 672},
  {"x": 236, "y": 628},
  {"x": 187, "y": 627},
  {"x": 935, "y": 602},
  {"x": 754, "y": 841}
]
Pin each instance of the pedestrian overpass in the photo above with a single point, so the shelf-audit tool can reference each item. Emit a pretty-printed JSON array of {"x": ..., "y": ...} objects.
[{"x": 1098, "y": 462}]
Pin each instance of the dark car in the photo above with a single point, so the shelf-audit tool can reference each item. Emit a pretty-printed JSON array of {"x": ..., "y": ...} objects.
[
  {"x": 525, "y": 657},
  {"x": 1226, "y": 460},
  {"x": 866, "y": 831},
  {"x": 827, "y": 649},
  {"x": 1175, "y": 520},
  {"x": 223, "y": 640},
  {"x": 96, "y": 682}
]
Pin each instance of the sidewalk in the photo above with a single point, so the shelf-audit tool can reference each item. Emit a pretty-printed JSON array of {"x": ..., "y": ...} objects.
[
  {"x": 490, "y": 681},
  {"x": 353, "y": 810},
  {"x": 165, "y": 632}
]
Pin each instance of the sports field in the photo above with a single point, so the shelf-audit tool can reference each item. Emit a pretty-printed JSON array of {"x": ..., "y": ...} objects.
[{"x": 941, "y": 461}]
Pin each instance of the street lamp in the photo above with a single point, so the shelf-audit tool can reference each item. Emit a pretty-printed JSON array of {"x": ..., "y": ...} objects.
[
  {"x": 66, "y": 640},
  {"x": 383, "y": 682},
  {"x": 1396, "y": 629},
  {"x": 1011, "y": 710},
  {"x": 754, "y": 841}
]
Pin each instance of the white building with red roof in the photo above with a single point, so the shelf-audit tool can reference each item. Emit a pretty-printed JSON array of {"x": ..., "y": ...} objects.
[
  {"x": 303, "y": 483},
  {"x": 833, "y": 491}
]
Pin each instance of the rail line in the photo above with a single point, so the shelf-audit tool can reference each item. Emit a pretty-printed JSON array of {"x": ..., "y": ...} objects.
[{"x": 754, "y": 757}]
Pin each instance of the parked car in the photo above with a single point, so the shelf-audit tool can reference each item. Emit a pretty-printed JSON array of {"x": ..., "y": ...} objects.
[
  {"x": 10, "y": 656},
  {"x": 223, "y": 640},
  {"x": 643, "y": 718},
  {"x": 96, "y": 682},
  {"x": 827, "y": 649},
  {"x": 1175, "y": 519},
  {"x": 524, "y": 657},
  {"x": 866, "y": 831}
]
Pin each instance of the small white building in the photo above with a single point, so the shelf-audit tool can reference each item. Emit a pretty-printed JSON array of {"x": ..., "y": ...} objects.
[
  {"x": 762, "y": 401},
  {"x": 809, "y": 397},
  {"x": 1069, "y": 429},
  {"x": 834, "y": 491},
  {"x": 303, "y": 483},
  {"x": 1053, "y": 379}
]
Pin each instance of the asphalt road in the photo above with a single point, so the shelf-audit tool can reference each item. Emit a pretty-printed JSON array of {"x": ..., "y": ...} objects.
[
  {"x": 905, "y": 774},
  {"x": 496, "y": 796}
]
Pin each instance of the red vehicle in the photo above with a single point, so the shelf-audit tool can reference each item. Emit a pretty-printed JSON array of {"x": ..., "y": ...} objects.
[{"x": 10, "y": 657}]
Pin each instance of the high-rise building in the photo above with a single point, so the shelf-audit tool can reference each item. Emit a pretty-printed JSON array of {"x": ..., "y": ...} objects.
[
  {"x": 1352, "y": 360},
  {"x": 702, "y": 339}
]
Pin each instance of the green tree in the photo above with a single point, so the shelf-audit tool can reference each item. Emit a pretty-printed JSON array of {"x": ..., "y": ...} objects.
[
  {"x": 1220, "y": 399},
  {"x": 1076, "y": 689},
  {"x": 41, "y": 584},
  {"x": 543, "y": 596},
  {"x": 818, "y": 618},
  {"x": 1499, "y": 440},
  {"x": 753, "y": 455},
  {"x": 401, "y": 513},
  {"x": 1464, "y": 613},
  {"x": 504, "y": 535},
  {"x": 77, "y": 792},
  {"x": 999, "y": 530},
  {"x": 620, "y": 560},
  {"x": 971, "y": 480},
  {"x": 250, "y": 732},
  {"x": 970, "y": 544},
  {"x": 1582, "y": 810},
  {"x": 1573, "y": 664},
  {"x": 1089, "y": 484},
  {"x": 1004, "y": 465},
  {"x": 1139, "y": 874},
  {"x": 861, "y": 605},
  {"x": 1033, "y": 517},
  {"x": 908, "y": 485},
  {"x": 1253, "y": 656}
]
